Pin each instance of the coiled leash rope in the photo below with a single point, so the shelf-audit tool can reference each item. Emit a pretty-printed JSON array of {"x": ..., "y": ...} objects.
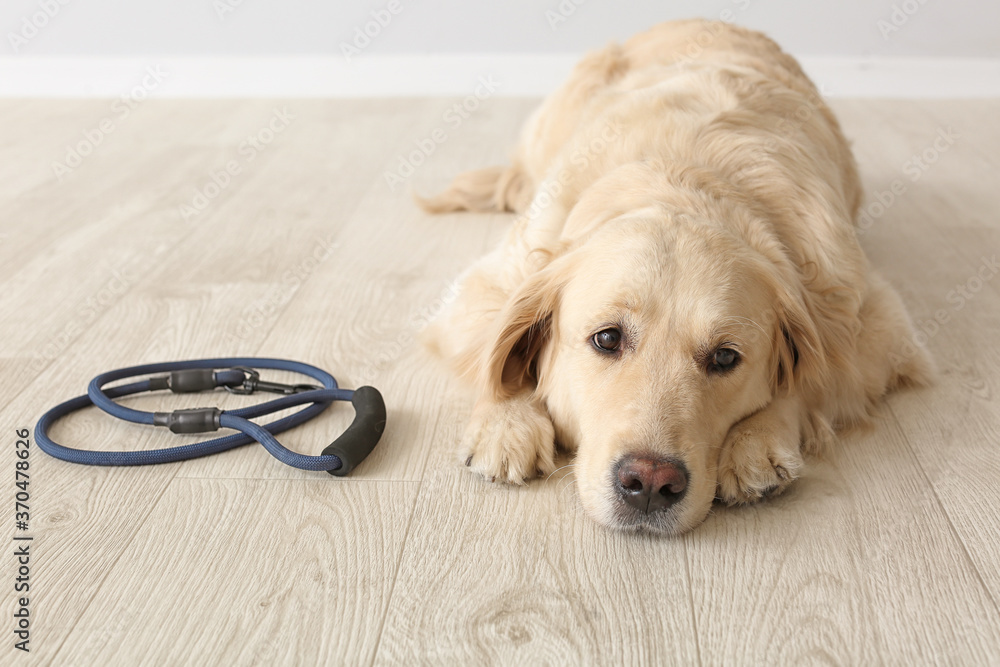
[{"x": 239, "y": 376}]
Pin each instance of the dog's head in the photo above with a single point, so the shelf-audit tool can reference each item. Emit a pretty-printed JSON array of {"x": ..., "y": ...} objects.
[{"x": 648, "y": 341}]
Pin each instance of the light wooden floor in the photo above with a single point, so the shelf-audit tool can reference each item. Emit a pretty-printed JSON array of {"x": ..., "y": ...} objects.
[{"x": 886, "y": 552}]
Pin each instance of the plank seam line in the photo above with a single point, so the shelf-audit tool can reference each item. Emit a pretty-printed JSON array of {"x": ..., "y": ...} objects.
[
  {"x": 395, "y": 574},
  {"x": 947, "y": 515}
]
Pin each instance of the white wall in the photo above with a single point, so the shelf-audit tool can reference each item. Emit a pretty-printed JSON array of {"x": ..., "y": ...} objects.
[
  {"x": 885, "y": 48},
  {"x": 935, "y": 28}
]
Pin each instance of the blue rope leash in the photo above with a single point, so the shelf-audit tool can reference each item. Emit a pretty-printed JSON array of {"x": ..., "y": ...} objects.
[{"x": 237, "y": 375}]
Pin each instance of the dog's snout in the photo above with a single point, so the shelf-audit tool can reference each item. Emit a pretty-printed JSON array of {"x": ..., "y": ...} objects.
[{"x": 650, "y": 484}]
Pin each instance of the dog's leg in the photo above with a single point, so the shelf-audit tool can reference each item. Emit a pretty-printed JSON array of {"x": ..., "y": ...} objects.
[
  {"x": 761, "y": 454},
  {"x": 491, "y": 189},
  {"x": 510, "y": 440},
  {"x": 888, "y": 355}
]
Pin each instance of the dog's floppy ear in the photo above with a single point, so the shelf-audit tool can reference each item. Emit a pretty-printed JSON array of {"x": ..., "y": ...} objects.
[
  {"x": 522, "y": 329},
  {"x": 799, "y": 356}
]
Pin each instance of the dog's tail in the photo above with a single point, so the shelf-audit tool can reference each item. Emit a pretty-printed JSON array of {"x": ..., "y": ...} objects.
[{"x": 489, "y": 189}]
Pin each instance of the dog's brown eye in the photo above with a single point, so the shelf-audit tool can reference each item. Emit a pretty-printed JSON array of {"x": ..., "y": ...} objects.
[
  {"x": 724, "y": 359},
  {"x": 608, "y": 340}
]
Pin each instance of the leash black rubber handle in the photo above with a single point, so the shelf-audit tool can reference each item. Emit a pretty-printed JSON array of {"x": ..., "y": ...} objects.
[{"x": 363, "y": 434}]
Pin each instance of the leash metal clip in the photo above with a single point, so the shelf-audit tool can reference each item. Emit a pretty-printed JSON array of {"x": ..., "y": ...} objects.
[{"x": 252, "y": 383}]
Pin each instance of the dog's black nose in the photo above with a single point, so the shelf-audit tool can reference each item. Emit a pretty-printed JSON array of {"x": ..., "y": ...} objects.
[{"x": 650, "y": 484}]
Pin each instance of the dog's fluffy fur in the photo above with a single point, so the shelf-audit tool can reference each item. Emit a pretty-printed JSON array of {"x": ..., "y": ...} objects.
[{"x": 691, "y": 190}]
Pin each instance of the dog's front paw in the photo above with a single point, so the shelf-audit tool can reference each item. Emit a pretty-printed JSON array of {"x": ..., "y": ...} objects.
[
  {"x": 757, "y": 462},
  {"x": 510, "y": 440}
]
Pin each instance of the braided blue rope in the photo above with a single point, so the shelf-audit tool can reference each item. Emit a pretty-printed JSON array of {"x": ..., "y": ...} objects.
[{"x": 319, "y": 400}]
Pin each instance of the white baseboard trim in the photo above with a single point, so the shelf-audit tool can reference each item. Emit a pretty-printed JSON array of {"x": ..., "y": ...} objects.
[{"x": 434, "y": 75}]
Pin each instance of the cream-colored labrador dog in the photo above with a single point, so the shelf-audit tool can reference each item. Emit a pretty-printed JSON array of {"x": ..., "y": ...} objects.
[{"x": 683, "y": 300}]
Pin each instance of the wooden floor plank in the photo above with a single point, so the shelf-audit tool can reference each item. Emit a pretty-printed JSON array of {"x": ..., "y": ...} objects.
[
  {"x": 310, "y": 588},
  {"x": 500, "y": 575}
]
